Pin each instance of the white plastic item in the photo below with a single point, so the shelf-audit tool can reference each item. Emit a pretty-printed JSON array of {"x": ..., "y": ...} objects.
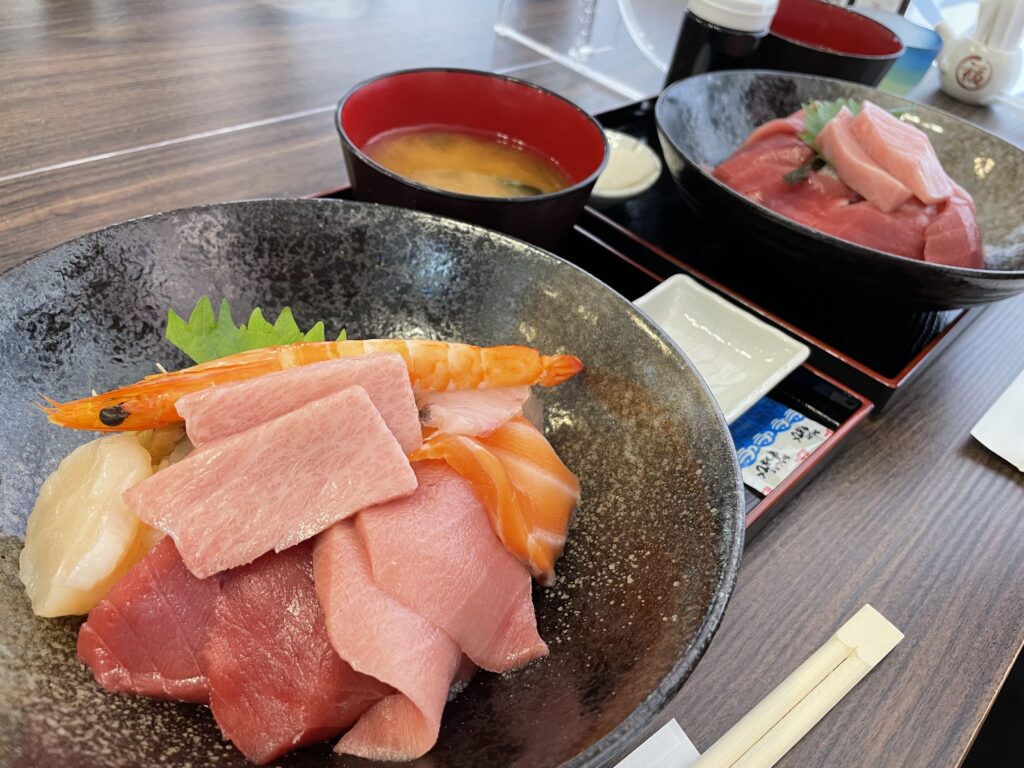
[
  {"x": 980, "y": 68},
  {"x": 739, "y": 355},
  {"x": 739, "y": 15}
]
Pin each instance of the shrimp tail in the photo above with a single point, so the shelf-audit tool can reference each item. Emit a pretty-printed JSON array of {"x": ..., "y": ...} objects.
[
  {"x": 433, "y": 365},
  {"x": 558, "y": 368}
]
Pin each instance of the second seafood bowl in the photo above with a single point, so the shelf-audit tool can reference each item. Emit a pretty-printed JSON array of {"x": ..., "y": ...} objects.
[{"x": 704, "y": 119}]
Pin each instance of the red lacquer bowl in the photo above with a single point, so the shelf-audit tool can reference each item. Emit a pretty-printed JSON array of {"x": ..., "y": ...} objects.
[
  {"x": 478, "y": 101},
  {"x": 817, "y": 38}
]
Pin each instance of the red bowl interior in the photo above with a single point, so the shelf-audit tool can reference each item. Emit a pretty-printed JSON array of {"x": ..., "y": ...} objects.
[
  {"x": 476, "y": 101},
  {"x": 832, "y": 28}
]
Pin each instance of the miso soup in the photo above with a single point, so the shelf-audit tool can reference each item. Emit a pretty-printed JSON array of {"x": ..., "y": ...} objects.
[{"x": 473, "y": 163}]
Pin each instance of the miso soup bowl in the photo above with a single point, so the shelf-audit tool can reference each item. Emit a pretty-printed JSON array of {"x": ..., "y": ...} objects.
[{"x": 514, "y": 111}]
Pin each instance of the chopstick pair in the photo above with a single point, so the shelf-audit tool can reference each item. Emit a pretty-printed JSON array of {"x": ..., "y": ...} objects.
[{"x": 785, "y": 715}]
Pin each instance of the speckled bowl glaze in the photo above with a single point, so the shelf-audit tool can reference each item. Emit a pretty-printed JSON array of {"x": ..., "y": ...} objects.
[
  {"x": 652, "y": 554},
  {"x": 703, "y": 119}
]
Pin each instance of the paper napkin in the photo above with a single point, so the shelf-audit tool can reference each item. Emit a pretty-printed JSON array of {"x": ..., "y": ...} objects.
[
  {"x": 668, "y": 747},
  {"x": 1001, "y": 429}
]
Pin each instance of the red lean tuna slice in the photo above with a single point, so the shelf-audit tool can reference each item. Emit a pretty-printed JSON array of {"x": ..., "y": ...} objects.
[
  {"x": 471, "y": 411},
  {"x": 145, "y": 636},
  {"x": 953, "y": 237},
  {"x": 382, "y": 638},
  {"x": 856, "y": 168},
  {"x": 757, "y": 170},
  {"x": 276, "y": 683},
  {"x": 437, "y": 553},
  {"x": 276, "y": 484},
  {"x": 901, "y": 232},
  {"x": 225, "y": 410},
  {"x": 815, "y": 199},
  {"x": 904, "y": 151}
]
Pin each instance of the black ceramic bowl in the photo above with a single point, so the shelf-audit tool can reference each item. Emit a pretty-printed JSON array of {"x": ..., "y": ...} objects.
[
  {"x": 822, "y": 39},
  {"x": 496, "y": 105},
  {"x": 702, "y": 120},
  {"x": 652, "y": 554}
]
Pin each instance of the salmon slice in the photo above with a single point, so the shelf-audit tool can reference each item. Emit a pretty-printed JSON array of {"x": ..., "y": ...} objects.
[
  {"x": 471, "y": 411},
  {"x": 276, "y": 683},
  {"x": 436, "y": 553},
  {"x": 856, "y": 168},
  {"x": 527, "y": 491},
  {"x": 146, "y": 635},
  {"x": 380, "y": 637},
  {"x": 276, "y": 484},
  {"x": 904, "y": 151},
  {"x": 231, "y": 408}
]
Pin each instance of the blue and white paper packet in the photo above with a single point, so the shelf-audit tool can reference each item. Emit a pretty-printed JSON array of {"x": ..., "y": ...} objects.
[{"x": 773, "y": 440}]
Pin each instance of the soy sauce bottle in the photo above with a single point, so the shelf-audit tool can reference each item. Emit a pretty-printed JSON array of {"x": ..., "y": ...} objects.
[{"x": 719, "y": 34}]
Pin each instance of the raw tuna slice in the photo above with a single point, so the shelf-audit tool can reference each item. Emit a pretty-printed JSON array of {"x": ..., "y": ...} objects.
[
  {"x": 471, "y": 411},
  {"x": 953, "y": 238},
  {"x": 904, "y": 151},
  {"x": 856, "y": 168},
  {"x": 436, "y": 552},
  {"x": 276, "y": 484},
  {"x": 145, "y": 636},
  {"x": 758, "y": 170},
  {"x": 791, "y": 125},
  {"x": 382, "y": 638},
  {"x": 225, "y": 410},
  {"x": 275, "y": 681},
  {"x": 901, "y": 232},
  {"x": 814, "y": 199}
]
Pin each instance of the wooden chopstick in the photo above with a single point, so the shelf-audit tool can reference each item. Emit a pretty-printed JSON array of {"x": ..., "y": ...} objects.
[{"x": 784, "y": 716}]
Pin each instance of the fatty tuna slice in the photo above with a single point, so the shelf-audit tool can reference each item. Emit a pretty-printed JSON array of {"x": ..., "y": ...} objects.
[
  {"x": 904, "y": 151},
  {"x": 146, "y": 635},
  {"x": 380, "y": 637},
  {"x": 277, "y": 484},
  {"x": 231, "y": 408},
  {"x": 276, "y": 683},
  {"x": 436, "y": 553},
  {"x": 792, "y": 125},
  {"x": 856, "y": 168},
  {"x": 471, "y": 411}
]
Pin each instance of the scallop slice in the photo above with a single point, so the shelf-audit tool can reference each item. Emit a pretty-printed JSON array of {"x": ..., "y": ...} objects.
[{"x": 81, "y": 536}]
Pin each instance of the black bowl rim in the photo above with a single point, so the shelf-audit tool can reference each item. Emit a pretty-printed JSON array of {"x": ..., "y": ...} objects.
[
  {"x": 350, "y": 146},
  {"x": 844, "y": 54},
  {"x": 862, "y": 250},
  {"x": 597, "y": 754}
]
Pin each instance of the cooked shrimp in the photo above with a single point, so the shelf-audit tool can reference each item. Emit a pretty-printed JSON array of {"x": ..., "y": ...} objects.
[
  {"x": 527, "y": 491},
  {"x": 433, "y": 365}
]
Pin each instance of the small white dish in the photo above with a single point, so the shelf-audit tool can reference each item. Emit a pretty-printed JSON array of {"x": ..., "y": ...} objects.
[
  {"x": 633, "y": 168},
  {"x": 739, "y": 356}
]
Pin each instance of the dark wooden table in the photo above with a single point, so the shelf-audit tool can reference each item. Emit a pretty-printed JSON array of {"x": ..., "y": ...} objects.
[{"x": 114, "y": 110}]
